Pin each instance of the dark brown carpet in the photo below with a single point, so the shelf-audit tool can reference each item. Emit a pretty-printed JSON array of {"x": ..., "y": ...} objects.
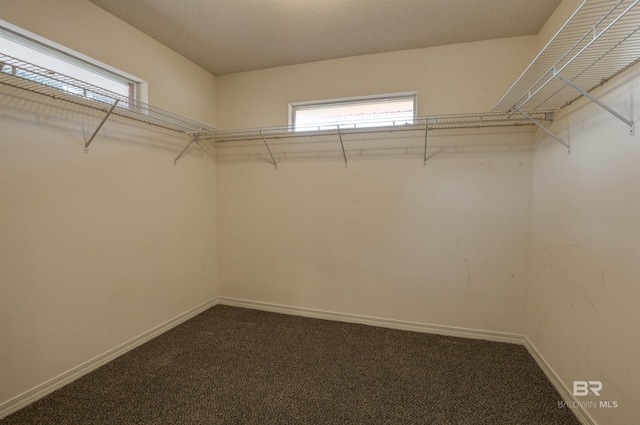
[{"x": 238, "y": 366}]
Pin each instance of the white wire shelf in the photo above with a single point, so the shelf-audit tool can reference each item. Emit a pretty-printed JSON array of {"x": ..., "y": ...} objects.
[
  {"x": 339, "y": 140},
  {"x": 35, "y": 79},
  {"x": 600, "y": 40},
  {"x": 425, "y": 123}
]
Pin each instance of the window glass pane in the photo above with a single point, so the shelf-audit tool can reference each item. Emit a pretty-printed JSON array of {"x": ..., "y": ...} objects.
[
  {"x": 54, "y": 61},
  {"x": 354, "y": 114}
]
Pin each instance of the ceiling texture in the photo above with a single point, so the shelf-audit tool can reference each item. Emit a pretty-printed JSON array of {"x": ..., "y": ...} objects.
[{"x": 228, "y": 36}]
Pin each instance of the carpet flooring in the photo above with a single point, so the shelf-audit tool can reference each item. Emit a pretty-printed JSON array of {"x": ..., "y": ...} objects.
[{"x": 231, "y": 365}]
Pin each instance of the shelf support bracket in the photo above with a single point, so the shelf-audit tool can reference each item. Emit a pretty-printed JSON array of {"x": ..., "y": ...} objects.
[
  {"x": 426, "y": 131},
  {"x": 342, "y": 144},
  {"x": 545, "y": 129},
  {"x": 86, "y": 145},
  {"x": 194, "y": 138},
  {"x": 630, "y": 123},
  {"x": 269, "y": 149}
]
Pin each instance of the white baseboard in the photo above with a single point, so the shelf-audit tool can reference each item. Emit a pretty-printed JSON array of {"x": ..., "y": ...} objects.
[
  {"x": 562, "y": 389},
  {"x": 48, "y": 387},
  {"x": 375, "y": 321},
  {"x": 28, "y": 397},
  {"x": 566, "y": 395}
]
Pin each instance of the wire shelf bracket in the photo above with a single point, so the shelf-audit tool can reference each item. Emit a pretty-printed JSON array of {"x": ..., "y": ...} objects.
[
  {"x": 630, "y": 123},
  {"x": 426, "y": 132},
  {"x": 344, "y": 154},
  {"x": 106, "y": 117},
  {"x": 194, "y": 138},
  {"x": 269, "y": 149},
  {"x": 545, "y": 129},
  {"x": 599, "y": 41}
]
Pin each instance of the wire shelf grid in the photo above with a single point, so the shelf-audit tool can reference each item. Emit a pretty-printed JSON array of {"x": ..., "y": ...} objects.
[
  {"x": 23, "y": 75},
  {"x": 599, "y": 41},
  {"x": 422, "y": 124}
]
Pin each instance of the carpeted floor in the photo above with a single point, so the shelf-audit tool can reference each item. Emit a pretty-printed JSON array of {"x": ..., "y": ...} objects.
[{"x": 238, "y": 366}]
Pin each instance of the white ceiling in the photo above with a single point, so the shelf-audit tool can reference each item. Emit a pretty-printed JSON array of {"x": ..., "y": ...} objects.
[{"x": 227, "y": 36}]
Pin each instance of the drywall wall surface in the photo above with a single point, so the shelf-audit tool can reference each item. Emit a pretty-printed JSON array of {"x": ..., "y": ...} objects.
[
  {"x": 452, "y": 79},
  {"x": 442, "y": 244},
  {"x": 174, "y": 83},
  {"x": 583, "y": 301},
  {"x": 96, "y": 249}
]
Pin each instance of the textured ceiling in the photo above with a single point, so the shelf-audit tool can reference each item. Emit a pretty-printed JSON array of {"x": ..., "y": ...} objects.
[{"x": 227, "y": 36}]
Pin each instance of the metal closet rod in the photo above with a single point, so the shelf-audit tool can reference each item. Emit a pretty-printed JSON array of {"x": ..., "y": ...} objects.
[
  {"x": 337, "y": 131},
  {"x": 420, "y": 123}
]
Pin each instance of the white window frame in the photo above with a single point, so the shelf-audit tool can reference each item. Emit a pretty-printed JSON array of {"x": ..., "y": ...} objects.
[
  {"x": 76, "y": 58},
  {"x": 295, "y": 106}
]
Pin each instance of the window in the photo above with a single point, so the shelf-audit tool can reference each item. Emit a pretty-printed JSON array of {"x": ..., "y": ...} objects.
[
  {"x": 16, "y": 43},
  {"x": 369, "y": 111}
]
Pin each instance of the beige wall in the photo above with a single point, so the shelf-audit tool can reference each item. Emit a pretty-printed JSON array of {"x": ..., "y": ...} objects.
[
  {"x": 461, "y": 78},
  {"x": 444, "y": 244},
  {"x": 583, "y": 299},
  {"x": 98, "y": 249}
]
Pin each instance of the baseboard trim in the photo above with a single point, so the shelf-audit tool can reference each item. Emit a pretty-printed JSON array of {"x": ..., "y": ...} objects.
[
  {"x": 28, "y": 397},
  {"x": 567, "y": 396},
  {"x": 375, "y": 321},
  {"x": 564, "y": 392}
]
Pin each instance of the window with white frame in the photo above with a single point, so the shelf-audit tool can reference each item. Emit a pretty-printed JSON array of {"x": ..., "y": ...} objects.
[
  {"x": 359, "y": 112},
  {"x": 61, "y": 62}
]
